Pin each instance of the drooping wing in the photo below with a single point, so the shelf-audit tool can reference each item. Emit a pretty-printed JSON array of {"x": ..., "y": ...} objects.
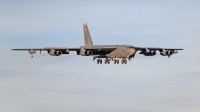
[
  {"x": 64, "y": 50},
  {"x": 27, "y": 49},
  {"x": 47, "y": 48},
  {"x": 95, "y": 49},
  {"x": 154, "y": 49},
  {"x": 100, "y": 48}
]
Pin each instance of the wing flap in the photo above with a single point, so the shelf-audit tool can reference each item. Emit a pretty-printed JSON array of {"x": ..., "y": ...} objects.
[
  {"x": 100, "y": 48},
  {"x": 151, "y": 48},
  {"x": 47, "y": 48}
]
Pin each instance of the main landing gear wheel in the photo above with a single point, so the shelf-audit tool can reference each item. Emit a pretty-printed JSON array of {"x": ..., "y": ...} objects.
[
  {"x": 99, "y": 61},
  {"x": 116, "y": 61},
  {"x": 124, "y": 61},
  {"x": 107, "y": 61}
]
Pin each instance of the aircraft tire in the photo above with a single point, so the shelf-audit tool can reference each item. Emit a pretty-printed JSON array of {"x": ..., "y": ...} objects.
[
  {"x": 100, "y": 61},
  {"x": 114, "y": 61},
  {"x": 106, "y": 61},
  {"x": 122, "y": 61}
]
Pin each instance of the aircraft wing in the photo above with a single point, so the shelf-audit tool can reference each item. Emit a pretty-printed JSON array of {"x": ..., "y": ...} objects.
[
  {"x": 47, "y": 48},
  {"x": 154, "y": 49},
  {"x": 92, "y": 48},
  {"x": 100, "y": 48},
  {"x": 96, "y": 50}
]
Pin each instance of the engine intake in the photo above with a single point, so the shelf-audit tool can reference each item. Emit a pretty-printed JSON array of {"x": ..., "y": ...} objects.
[
  {"x": 83, "y": 52},
  {"x": 147, "y": 52},
  {"x": 53, "y": 52},
  {"x": 167, "y": 52},
  {"x": 89, "y": 53}
]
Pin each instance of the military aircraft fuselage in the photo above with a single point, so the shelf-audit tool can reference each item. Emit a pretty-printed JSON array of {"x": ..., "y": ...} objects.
[
  {"x": 120, "y": 51},
  {"x": 109, "y": 52}
]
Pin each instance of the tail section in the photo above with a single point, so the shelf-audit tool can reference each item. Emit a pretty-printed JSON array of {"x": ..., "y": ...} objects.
[{"x": 87, "y": 37}]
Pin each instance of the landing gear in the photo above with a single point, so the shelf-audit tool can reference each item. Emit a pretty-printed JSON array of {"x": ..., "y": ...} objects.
[
  {"x": 99, "y": 61},
  {"x": 107, "y": 61},
  {"x": 116, "y": 61},
  {"x": 124, "y": 61}
]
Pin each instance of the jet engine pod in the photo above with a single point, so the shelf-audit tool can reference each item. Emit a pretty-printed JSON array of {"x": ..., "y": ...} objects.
[
  {"x": 147, "y": 53},
  {"x": 57, "y": 53},
  {"x": 163, "y": 52},
  {"x": 169, "y": 52},
  {"x": 150, "y": 53},
  {"x": 83, "y": 52},
  {"x": 153, "y": 53},
  {"x": 86, "y": 53},
  {"x": 89, "y": 53},
  {"x": 53, "y": 52}
]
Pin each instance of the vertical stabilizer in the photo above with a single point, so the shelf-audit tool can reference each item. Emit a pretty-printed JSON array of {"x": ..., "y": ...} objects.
[{"x": 87, "y": 37}]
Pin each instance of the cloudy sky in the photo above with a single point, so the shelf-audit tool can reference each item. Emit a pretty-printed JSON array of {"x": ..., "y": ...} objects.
[{"x": 77, "y": 84}]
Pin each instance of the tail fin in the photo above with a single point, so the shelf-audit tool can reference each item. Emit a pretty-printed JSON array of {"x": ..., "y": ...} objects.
[{"x": 87, "y": 37}]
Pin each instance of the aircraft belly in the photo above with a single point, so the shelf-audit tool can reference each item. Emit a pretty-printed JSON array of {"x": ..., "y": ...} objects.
[
  {"x": 122, "y": 55},
  {"x": 119, "y": 52},
  {"x": 101, "y": 52}
]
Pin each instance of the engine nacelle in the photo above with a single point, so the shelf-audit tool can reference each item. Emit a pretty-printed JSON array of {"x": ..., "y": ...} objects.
[
  {"x": 163, "y": 52},
  {"x": 147, "y": 52},
  {"x": 53, "y": 52},
  {"x": 167, "y": 52},
  {"x": 83, "y": 52},
  {"x": 153, "y": 53},
  {"x": 89, "y": 53},
  {"x": 58, "y": 53}
]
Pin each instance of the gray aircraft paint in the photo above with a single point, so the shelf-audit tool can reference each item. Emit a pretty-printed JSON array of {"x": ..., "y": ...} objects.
[
  {"x": 103, "y": 51},
  {"x": 122, "y": 51},
  {"x": 87, "y": 37}
]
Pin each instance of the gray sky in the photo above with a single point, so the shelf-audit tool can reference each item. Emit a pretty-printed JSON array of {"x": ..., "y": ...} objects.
[{"x": 73, "y": 83}]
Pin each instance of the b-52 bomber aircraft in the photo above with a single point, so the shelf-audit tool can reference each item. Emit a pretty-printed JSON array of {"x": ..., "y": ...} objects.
[{"x": 109, "y": 52}]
